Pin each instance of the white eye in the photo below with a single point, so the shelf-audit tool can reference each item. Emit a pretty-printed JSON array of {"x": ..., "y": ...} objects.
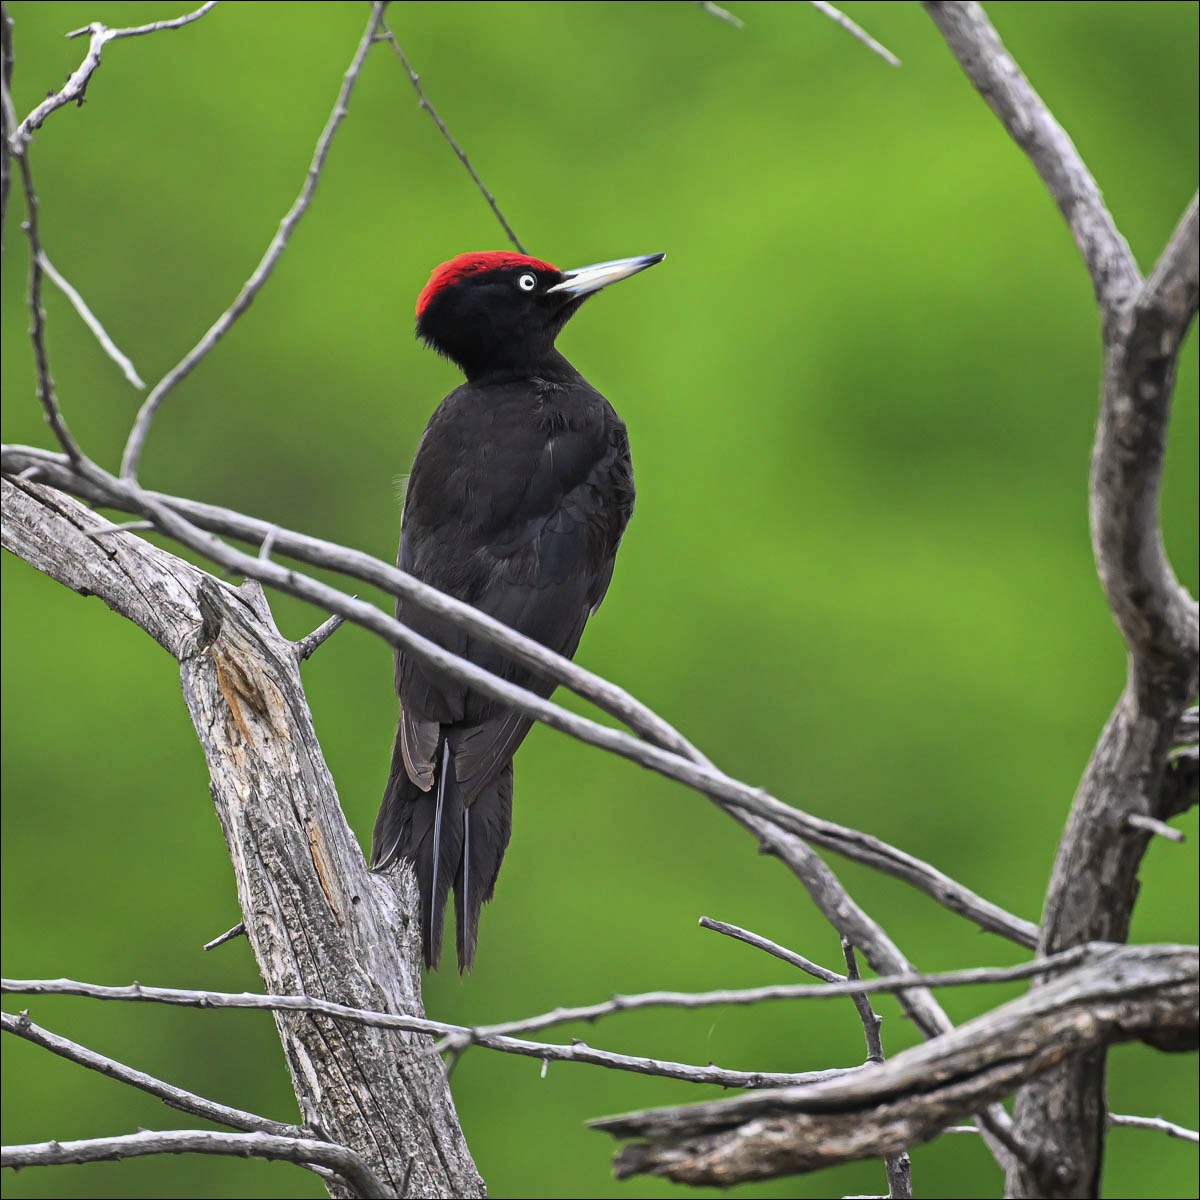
[{"x": 527, "y": 282}]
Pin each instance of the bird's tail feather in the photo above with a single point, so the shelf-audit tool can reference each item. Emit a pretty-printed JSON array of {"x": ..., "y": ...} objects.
[
  {"x": 487, "y": 824},
  {"x": 450, "y": 845}
]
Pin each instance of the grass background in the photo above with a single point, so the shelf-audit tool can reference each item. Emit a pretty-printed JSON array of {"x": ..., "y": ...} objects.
[{"x": 861, "y": 392}]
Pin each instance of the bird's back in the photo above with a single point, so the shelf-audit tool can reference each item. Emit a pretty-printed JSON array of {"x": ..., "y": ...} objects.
[
  {"x": 516, "y": 504},
  {"x": 519, "y": 495},
  {"x": 517, "y": 501}
]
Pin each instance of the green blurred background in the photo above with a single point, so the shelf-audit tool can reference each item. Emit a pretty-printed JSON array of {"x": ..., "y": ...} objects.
[{"x": 861, "y": 394}]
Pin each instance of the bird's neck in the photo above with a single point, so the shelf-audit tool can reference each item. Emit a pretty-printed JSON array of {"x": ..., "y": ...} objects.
[{"x": 550, "y": 366}]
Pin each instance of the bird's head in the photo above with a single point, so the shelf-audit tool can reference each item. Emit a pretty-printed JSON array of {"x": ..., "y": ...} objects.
[{"x": 501, "y": 311}]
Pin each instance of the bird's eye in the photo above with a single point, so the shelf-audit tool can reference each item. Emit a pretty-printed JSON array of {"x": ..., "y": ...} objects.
[{"x": 527, "y": 282}]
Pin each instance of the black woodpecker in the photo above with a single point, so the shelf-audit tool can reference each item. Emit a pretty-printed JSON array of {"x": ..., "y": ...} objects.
[{"x": 519, "y": 494}]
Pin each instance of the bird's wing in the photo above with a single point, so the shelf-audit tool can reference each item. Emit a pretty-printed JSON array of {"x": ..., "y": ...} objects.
[
  {"x": 537, "y": 556},
  {"x": 418, "y": 745}
]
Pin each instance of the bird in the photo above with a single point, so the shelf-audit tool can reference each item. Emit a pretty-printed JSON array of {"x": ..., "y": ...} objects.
[{"x": 519, "y": 494}]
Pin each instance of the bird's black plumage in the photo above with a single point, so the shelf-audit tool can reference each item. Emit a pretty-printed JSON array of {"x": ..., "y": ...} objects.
[{"x": 519, "y": 494}]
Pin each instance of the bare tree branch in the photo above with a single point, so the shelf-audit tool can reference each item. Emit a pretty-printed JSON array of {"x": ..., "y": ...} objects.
[
  {"x": 1117, "y": 1121},
  {"x": 176, "y": 1097},
  {"x": 435, "y": 116},
  {"x": 346, "y": 1163},
  {"x": 722, "y": 14},
  {"x": 683, "y": 761},
  {"x": 252, "y": 286},
  {"x": 37, "y": 329},
  {"x": 455, "y": 1037},
  {"x": 787, "y": 991},
  {"x": 8, "y": 116},
  {"x": 998, "y": 79},
  {"x": 1157, "y": 617},
  {"x": 1093, "y": 885},
  {"x": 908, "y": 1100},
  {"x": 90, "y": 319},
  {"x": 318, "y": 921},
  {"x": 75, "y": 89},
  {"x": 307, "y": 646},
  {"x": 855, "y": 31},
  {"x": 823, "y": 886}
]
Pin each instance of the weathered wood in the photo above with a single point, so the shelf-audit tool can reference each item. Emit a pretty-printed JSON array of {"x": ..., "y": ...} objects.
[
  {"x": 1061, "y": 1122},
  {"x": 318, "y": 921},
  {"x": 882, "y": 1110}
]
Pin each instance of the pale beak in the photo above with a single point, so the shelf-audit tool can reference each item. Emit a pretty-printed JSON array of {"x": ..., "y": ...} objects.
[{"x": 585, "y": 280}]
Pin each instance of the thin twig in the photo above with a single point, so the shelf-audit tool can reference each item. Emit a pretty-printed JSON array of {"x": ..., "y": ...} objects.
[
  {"x": 1155, "y": 826},
  {"x": 773, "y": 948},
  {"x": 176, "y": 1097},
  {"x": 239, "y": 930},
  {"x": 871, "y": 1021},
  {"x": 93, "y": 323},
  {"x": 124, "y": 527},
  {"x": 8, "y": 117},
  {"x": 1119, "y": 1121},
  {"x": 252, "y": 286},
  {"x": 455, "y": 1035},
  {"x": 307, "y": 646},
  {"x": 722, "y": 14},
  {"x": 301, "y": 1151},
  {"x": 268, "y": 544},
  {"x": 745, "y": 996},
  {"x": 897, "y": 1166},
  {"x": 427, "y": 105},
  {"x": 74, "y": 90},
  {"x": 855, "y": 31},
  {"x": 37, "y": 328}
]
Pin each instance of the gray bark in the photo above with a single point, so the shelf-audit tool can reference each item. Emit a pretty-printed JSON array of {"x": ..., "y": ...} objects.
[
  {"x": 318, "y": 921},
  {"x": 1134, "y": 991}
]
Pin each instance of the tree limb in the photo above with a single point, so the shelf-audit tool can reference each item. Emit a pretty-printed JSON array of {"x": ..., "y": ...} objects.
[
  {"x": 344, "y": 1162},
  {"x": 75, "y": 89},
  {"x": 141, "y": 426},
  {"x": 997, "y": 78},
  {"x": 318, "y": 921},
  {"x": 908, "y": 1100},
  {"x": 1094, "y": 881},
  {"x": 450, "y": 139},
  {"x": 455, "y": 1037},
  {"x": 176, "y": 1097},
  {"x": 830, "y": 896},
  {"x": 838, "y": 985},
  {"x": 682, "y": 760}
]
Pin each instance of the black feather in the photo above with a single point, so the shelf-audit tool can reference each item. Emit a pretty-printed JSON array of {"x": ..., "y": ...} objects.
[{"x": 519, "y": 495}]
